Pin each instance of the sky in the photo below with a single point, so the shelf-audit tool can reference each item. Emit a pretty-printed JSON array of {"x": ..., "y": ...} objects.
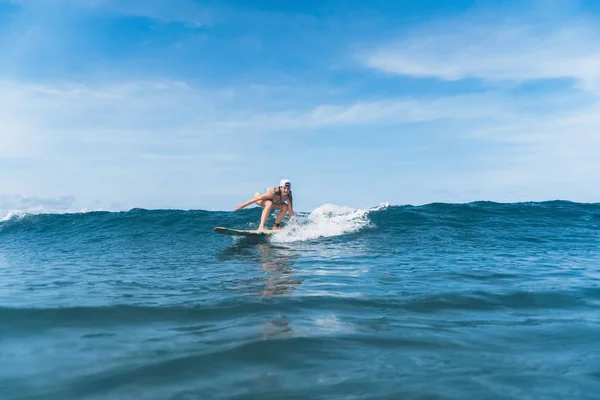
[{"x": 184, "y": 104}]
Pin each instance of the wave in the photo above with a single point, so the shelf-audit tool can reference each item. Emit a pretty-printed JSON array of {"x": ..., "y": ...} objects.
[
  {"x": 325, "y": 221},
  {"x": 28, "y": 318},
  {"x": 13, "y": 215}
]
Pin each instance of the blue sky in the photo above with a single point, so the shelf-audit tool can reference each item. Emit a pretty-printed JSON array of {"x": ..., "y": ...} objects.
[{"x": 109, "y": 104}]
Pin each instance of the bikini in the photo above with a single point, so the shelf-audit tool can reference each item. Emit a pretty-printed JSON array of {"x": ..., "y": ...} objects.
[
  {"x": 272, "y": 191},
  {"x": 280, "y": 202}
]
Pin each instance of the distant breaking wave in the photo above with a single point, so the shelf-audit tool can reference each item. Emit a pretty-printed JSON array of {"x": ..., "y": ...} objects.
[{"x": 328, "y": 220}]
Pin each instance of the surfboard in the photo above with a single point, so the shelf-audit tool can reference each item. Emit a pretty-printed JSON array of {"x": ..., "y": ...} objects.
[{"x": 242, "y": 232}]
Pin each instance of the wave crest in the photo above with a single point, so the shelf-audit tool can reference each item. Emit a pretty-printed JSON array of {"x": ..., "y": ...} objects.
[{"x": 326, "y": 221}]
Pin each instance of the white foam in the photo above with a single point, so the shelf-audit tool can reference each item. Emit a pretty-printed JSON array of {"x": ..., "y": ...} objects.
[
  {"x": 326, "y": 221},
  {"x": 16, "y": 205},
  {"x": 13, "y": 214},
  {"x": 18, "y": 214}
]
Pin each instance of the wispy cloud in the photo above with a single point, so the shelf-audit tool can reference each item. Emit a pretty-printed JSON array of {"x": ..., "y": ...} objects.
[
  {"x": 546, "y": 42},
  {"x": 147, "y": 109},
  {"x": 159, "y": 105},
  {"x": 165, "y": 127},
  {"x": 487, "y": 107}
]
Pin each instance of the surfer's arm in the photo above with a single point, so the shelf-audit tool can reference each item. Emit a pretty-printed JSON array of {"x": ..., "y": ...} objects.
[
  {"x": 265, "y": 196},
  {"x": 290, "y": 208}
]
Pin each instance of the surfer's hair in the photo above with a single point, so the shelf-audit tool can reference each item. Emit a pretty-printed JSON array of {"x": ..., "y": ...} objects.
[{"x": 278, "y": 192}]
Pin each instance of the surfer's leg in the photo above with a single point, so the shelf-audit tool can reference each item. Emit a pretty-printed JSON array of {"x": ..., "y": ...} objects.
[
  {"x": 265, "y": 214},
  {"x": 283, "y": 210}
]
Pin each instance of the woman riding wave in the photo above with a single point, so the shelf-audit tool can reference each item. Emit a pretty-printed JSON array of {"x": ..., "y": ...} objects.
[{"x": 273, "y": 197}]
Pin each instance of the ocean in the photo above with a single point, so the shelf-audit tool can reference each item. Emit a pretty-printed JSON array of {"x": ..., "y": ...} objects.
[{"x": 441, "y": 301}]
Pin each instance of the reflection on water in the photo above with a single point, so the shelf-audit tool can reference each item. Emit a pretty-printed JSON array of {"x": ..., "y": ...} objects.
[
  {"x": 275, "y": 261},
  {"x": 277, "y": 264}
]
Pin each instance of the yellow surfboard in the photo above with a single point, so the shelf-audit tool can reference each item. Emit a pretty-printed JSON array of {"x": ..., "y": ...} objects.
[{"x": 242, "y": 232}]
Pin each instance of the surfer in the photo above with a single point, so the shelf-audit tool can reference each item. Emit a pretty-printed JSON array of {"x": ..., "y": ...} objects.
[{"x": 273, "y": 198}]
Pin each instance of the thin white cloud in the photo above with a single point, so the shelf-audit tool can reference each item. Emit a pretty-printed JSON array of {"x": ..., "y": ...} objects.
[
  {"x": 498, "y": 46},
  {"x": 374, "y": 113},
  {"x": 102, "y": 113},
  {"x": 142, "y": 112},
  {"x": 170, "y": 120}
]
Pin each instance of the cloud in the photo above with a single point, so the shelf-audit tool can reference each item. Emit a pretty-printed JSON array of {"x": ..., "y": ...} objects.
[
  {"x": 146, "y": 111},
  {"x": 498, "y": 46},
  {"x": 134, "y": 118},
  {"x": 498, "y": 107},
  {"x": 354, "y": 114},
  {"x": 102, "y": 113}
]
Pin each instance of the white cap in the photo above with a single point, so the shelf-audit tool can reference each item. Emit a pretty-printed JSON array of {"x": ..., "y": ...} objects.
[{"x": 284, "y": 182}]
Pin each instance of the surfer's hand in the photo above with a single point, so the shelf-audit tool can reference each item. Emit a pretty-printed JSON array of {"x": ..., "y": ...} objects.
[{"x": 239, "y": 207}]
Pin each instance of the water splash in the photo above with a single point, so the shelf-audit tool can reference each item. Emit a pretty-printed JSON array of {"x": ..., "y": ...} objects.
[
  {"x": 326, "y": 221},
  {"x": 13, "y": 214}
]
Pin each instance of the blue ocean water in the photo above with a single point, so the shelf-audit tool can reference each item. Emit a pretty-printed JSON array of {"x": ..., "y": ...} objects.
[{"x": 441, "y": 301}]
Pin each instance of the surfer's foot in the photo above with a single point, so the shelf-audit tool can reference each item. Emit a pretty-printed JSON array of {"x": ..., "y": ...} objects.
[{"x": 276, "y": 227}]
